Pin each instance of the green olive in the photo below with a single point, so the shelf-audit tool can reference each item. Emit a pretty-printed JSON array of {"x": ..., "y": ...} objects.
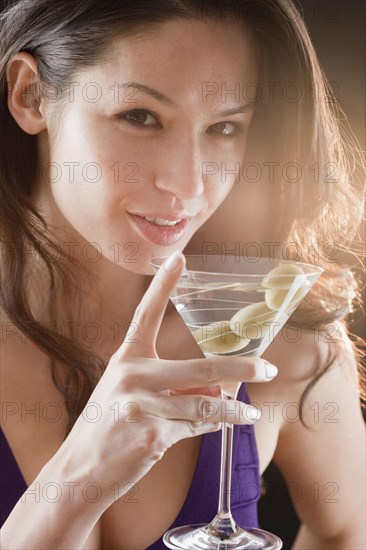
[
  {"x": 219, "y": 338},
  {"x": 275, "y": 297},
  {"x": 277, "y": 284},
  {"x": 282, "y": 276},
  {"x": 252, "y": 321}
]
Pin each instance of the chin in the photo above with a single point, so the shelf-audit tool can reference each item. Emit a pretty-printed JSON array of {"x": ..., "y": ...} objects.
[
  {"x": 141, "y": 268},
  {"x": 136, "y": 257},
  {"x": 140, "y": 262}
]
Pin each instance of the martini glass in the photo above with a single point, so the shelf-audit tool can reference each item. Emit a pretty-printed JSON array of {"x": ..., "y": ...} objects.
[{"x": 234, "y": 306}]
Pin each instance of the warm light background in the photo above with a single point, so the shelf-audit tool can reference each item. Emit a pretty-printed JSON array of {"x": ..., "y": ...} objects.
[{"x": 337, "y": 29}]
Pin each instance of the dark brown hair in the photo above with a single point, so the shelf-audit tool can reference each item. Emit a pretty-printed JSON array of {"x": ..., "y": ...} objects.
[{"x": 64, "y": 37}]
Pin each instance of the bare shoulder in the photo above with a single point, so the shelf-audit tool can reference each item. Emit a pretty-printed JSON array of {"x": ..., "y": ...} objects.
[
  {"x": 24, "y": 367},
  {"x": 317, "y": 382},
  {"x": 315, "y": 455},
  {"x": 302, "y": 356},
  {"x": 33, "y": 415}
]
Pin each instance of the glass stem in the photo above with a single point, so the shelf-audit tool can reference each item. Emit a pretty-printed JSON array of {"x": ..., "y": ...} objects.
[{"x": 223, "y": 525}]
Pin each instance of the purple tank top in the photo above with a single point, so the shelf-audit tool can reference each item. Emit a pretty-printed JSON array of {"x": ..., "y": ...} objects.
[
  {"x": 12, "y": 483},
  {"x": 200, "y": 505}
]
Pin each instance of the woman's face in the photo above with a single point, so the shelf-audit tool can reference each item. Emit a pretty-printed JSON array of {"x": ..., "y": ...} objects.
[{"x": 157, "y": 130}]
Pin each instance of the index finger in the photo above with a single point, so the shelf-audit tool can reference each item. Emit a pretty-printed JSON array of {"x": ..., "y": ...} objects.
[{"x": 150, "y": 311}]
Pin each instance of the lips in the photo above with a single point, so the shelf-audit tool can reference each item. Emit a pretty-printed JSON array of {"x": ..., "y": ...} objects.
[
  {"x": 170, "y": 216},
  {"x": 161, "y": 221},
  {"x": 163, "y": 235}
]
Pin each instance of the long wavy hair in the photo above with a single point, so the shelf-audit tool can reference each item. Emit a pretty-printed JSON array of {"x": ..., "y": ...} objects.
[{"x": 65, "y": 37}]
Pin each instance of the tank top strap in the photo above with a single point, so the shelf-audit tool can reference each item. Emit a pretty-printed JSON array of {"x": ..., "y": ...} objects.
[{"x": 12, "y": 482}]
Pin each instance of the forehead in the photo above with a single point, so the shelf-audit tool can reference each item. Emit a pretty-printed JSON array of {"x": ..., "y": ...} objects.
[{"x": 179, "y": 57}]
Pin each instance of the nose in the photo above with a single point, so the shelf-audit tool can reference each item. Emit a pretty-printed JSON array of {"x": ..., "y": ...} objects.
[{"x": 180, "y": 170}]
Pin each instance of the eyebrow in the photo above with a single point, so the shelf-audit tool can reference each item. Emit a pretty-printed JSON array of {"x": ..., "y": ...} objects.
[
  {"x": 244, "y": 108},
  {"x": 149, "y": 91}
]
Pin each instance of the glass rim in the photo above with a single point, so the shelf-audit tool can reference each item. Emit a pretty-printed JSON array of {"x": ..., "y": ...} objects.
[{"x": 316, "y": 270}]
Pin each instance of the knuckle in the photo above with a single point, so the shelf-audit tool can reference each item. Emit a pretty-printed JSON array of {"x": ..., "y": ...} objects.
[
  {"x": 174, "y": 410},
  {"x": 208, "y": 371},
  {"x": 197, "y": 428},
  {"x": 216, "y": 426},
  {"x": 151, "y": 443},
  {"x": 252, "y": 366},
  {"x": 192, "y": 427},
  {"x": 201, "y": 408},
  {"x": 126, "y": 384},
  {"x": 151, "y": 438},
  {"x": 129, "y": 379}
]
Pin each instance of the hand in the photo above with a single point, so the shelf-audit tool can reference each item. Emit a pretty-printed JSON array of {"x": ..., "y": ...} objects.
[{"x": 139, "y": 403}]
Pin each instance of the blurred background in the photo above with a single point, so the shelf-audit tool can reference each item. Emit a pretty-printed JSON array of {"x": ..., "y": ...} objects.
[{"x": 337, "y": 29}]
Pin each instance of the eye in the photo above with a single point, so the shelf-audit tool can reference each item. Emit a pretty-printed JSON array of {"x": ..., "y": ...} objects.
[
  {"x": 226, "y": 128},
  {"x": 139, "y": 117}
]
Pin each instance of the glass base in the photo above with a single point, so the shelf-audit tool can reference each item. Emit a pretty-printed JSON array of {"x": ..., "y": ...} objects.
[{"x": 199, "y": 537}]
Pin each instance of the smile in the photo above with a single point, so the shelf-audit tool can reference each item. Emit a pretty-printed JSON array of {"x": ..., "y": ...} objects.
[
  {"x": 161, "y": 231},
  {"x": 161, "y": 221}
]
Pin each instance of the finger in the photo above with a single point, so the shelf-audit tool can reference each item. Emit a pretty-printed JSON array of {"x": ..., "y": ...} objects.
[
  {"x": 150, "y": 311},
  {"x": 176, "y": 430},
  {"x": 156, "y": 375},
  {"x": 186, "y": 428},
  {"x": 199, "y": 408},
  {"x": 213, "y": 391}
]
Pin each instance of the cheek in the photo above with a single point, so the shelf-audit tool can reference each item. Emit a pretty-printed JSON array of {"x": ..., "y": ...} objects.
[
  {"x": 218, "y": 185},
  {"x": 94, "y": 151},
  {"x": 225, "y": 172},
  {"x": 244, "y": 216},
  {"x": 94, "y": 166}
]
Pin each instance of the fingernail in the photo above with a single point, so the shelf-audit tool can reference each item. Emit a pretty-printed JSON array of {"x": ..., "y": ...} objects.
[
  {"x": 173, "y": 260},
  {"x": 253, "y": 413},
  {"x": 271, "y": 370}
]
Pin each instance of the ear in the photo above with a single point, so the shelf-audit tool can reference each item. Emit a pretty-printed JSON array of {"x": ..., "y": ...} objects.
[{"x": 25, "y": 96}]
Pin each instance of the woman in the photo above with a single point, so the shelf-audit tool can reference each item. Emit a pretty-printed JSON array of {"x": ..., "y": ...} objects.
[{"x": 117, "y": 112}]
